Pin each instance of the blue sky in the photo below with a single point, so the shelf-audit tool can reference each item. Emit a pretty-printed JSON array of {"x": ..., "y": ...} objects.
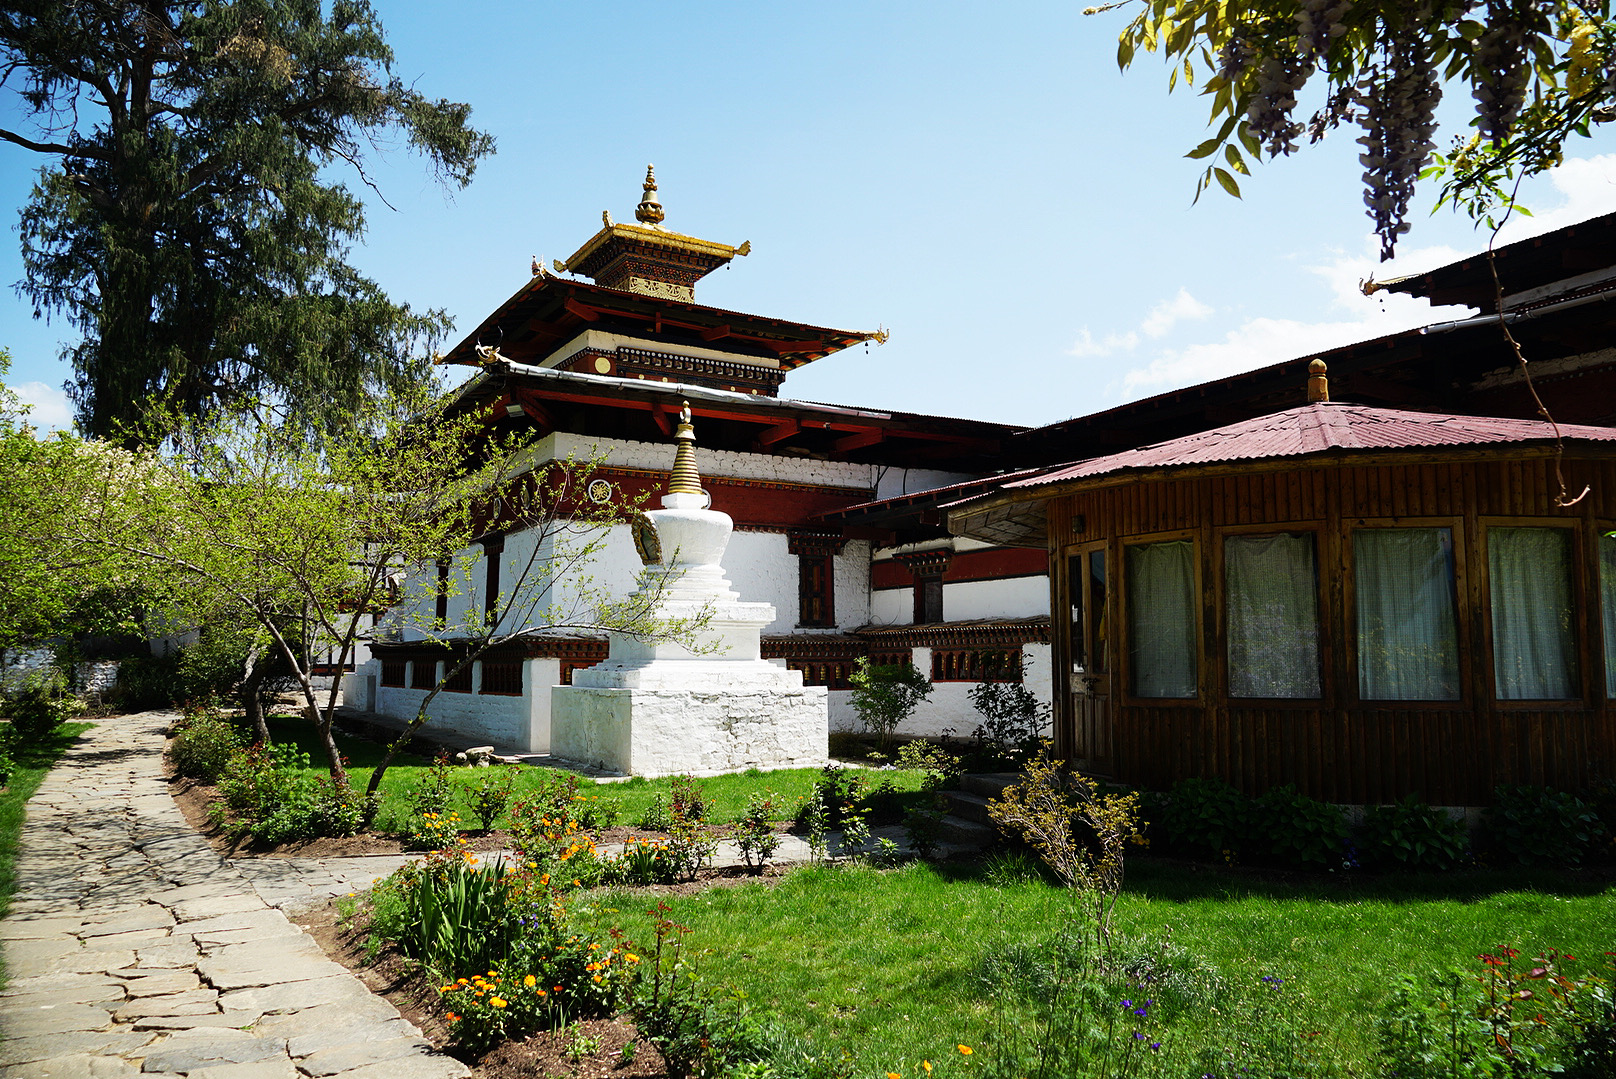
[{"x": 979, "y": 180}]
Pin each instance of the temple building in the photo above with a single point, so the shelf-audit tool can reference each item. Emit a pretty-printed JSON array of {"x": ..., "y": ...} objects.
[
  {"x": 1423, "y": 475},
  {"x": 596, "y": 359}
]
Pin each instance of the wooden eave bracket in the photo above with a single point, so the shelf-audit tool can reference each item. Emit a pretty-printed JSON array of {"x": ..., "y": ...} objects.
[
  {"x": 859, "y": 440},
  {"x": 778, "y": 433}
]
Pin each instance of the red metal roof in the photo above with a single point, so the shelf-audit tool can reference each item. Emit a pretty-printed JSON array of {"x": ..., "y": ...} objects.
[{"x": 1319, "y": 428}]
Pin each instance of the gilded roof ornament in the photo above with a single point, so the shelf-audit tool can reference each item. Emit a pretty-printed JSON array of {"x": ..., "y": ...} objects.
[
  {"x": 649, "y": 211},
  {"x": 685, "y": 479}
]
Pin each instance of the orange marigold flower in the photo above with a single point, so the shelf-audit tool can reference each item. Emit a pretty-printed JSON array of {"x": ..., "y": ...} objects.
[
  {"x": 965, "y": 1050},
  {"x": 894, "y": 1075},
  {"x": 529, "y": 981},
  {"x": 926, "y": 1064},
  {"x": 453, "y": 1018},
  {"x": 496, "y": 1002}
]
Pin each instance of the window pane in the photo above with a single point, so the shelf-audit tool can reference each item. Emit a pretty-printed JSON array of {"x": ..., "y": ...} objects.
[
  {"x": 1096, "y": 613},
  {"x": 1607, "y": 604},
  {"x": 1408, "y": 639},
  {"x": 1534, "y": 650},
  {"x": 1272, "y": 591},
  {"x": 1161, "y": 618}
]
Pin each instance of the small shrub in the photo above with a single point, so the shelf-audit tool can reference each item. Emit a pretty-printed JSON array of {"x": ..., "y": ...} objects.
[
  {"x": 146, "y": 681},
  {"x": 1412, "y": 835},
  {"x": 492, "y": 795},
  {"x": 1295, "y": 830},
  {"x": 655, "y": 818},
  {"x": 687, "y": 799},
  {"x": 8, "y": 762},
  {"x": 1204, "y": 818},
  {"x": 433, "y": 831},
  {"x": 754, "y": 829},
  {"x": 1540, "y": 825},
  {"x": 42, "y": 704},
  {"x": 314, "y": 809},
  {"x": 1013, "y": 721},
  {"x": 840, "y": 791},
  {"x": 203, "y": 748},
  {"x": 885, "y": 696},
  {"x": 942, "y": 769},
  {"x": 641, "y": 861},
  {"x": 1079, "y": 832},
  {"x": 846, "y": 744},
  {"x": 436, "y": 788},
  {"x": 923, "y": 829},
  {"x": 260, "y": 779}
]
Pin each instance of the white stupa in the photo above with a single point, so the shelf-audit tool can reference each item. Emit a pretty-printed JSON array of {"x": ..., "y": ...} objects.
[{"x": 658, "y": 708}]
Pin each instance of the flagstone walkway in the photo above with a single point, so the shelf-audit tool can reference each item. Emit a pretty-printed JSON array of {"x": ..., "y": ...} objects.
[{"x": 132, "y": 946}]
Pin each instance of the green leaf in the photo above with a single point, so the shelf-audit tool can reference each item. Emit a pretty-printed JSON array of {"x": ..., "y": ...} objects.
[
  {"x": 1236, "y": 162},
  {"x": 1206, "y": 149},
  {"x": 1227, "y": 182},
  {"x": 1125, "y": 51}
]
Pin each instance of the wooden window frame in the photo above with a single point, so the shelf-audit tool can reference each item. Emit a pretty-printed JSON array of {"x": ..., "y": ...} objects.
[
  {"x": 460, "y": 683},
  {"x": 419, "y": 664},
  {"x": 1122, "y": 632},
  {"x": 395, "y": 674},
  {"x": 1581, "y": 631},
  {"x": 1327, "y": 618},
  {"x": 1596, "y": 610},
  {"x": 1464, "y": 605},
  {"x": 500, "y": 666},
  {"x": 493, "y": 551}
]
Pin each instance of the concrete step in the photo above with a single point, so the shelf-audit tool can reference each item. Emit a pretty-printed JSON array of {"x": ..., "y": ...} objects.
[
  {"x": 989, "y": 784},
  {"x": 967, "y": 806},
  {"x": 966, "y": 834}
]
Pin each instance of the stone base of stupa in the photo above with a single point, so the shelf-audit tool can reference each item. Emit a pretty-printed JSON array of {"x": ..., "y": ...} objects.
[{"x": 657, "y": 709}]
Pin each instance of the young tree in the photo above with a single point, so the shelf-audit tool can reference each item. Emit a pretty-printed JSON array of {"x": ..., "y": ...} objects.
[
  {"x": 184, "y": 223},
  {"x": 886, "y": 694},
  {"x": 251, "y": 521},
  {"x": 1539, "y": 71}
]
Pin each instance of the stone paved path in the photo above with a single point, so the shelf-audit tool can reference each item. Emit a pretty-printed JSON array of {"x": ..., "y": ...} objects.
[{"x": 133, "y": 947}]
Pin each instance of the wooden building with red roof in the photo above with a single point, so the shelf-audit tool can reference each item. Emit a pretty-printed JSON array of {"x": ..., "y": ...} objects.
[{"x": 1368, "y": 603}]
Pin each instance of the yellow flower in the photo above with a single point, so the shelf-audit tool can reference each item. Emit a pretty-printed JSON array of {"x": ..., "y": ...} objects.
[
  {"x": 894, "y": 1075},
  {"x": 496, "y": 1002},
  {"x": 926, "y": 1064},
  {"x": 529, "y": 981},
  {"x": 965, "y": 1050}
]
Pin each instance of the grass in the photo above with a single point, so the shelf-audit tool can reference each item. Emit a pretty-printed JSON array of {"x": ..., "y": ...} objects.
[
  {"x": 726, "y": 795},
  {"x": 886, "y": 966},
  {"x": 34, "y": 758}
]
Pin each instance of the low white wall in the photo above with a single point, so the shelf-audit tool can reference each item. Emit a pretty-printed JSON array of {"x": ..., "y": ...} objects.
[
  {"x": 948, "y": 712},
  {"x": 511, "y": 724}
]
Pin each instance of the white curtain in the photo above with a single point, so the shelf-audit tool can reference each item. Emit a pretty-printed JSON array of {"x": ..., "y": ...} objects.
[
  {"x": 1271, "y": 586},
  {"x": 1161, "y": 618},
  {"x": 1534, "y": 648},
  {"x": 1408, "y": 641},
  {"x": 1607, "y": 604}
]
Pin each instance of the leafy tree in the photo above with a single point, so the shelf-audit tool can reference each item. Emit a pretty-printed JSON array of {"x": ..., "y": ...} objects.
[
  {"x": 185, "y": 225},
  {"x": 1539, "y": 71},
  {"x": 50, "y": 490},
  {"x": 253, "y": 521}
]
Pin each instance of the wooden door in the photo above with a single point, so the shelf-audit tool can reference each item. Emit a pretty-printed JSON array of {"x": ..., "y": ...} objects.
[{"x": 1090, "y": 655}]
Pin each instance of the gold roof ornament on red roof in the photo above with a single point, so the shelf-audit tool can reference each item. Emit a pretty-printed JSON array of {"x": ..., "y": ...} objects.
[{"x": 647, "y": 258}]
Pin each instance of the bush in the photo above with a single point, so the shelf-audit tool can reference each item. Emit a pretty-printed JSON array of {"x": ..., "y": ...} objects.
[
  {"x": 754, "y": 829},
  {"x": 1013, "y": 721},
  {"x": 885, "y": 696},
  {"x": 1412, "y": 835},
  {"x": 1204, "y": 818},
  {"x": 8, "y": 763},
  {"x": 42, "y": 704},
  {"x": 1293, "y": 829},
  {"x": 204, "y": 745},
  {"x": 146, "y": 682},
  {"x": 1541, "y": 825}
]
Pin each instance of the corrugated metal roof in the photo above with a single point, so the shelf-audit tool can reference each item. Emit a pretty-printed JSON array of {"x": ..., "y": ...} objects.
[{"x": 1319, "y": 428}]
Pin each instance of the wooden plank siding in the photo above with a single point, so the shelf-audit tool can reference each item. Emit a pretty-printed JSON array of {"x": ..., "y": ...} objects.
[{"x": 1340, "y": 748}]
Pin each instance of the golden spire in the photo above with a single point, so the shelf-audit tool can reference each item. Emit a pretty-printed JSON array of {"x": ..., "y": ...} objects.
[
  {"x": 1318, "y": 382},
  {"x": 685, "y": 480},
  {"x": 649, "y": 211}
]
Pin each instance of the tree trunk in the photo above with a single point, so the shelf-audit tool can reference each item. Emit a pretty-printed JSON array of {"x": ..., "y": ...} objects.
[{"x": 252, "y": 683}]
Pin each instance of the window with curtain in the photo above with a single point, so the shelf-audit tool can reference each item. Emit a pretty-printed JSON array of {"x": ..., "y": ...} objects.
[
  {"x": 1271, "y": 588},
  {"x": 1408, "y": 635},
  {"x": 1161, "y": 619},
  {"x": 1534, "y": 643},
  {"x": 1607, "y": 606}
]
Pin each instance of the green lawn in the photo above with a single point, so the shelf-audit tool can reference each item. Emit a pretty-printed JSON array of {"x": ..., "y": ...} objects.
[
  {"x": 886, "y": 965},
  {"x": 726, "y": 795}
]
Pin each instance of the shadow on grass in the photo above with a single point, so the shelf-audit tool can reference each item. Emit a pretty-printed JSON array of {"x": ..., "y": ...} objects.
[{"x": 1174, "y": 881}]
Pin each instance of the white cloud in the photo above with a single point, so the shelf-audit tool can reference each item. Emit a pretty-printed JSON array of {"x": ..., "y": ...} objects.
[
  {"x": 1577, "y": 190},
  {"x": 48, "y": 406},
  {"x": 1157, "y": 323},
  {"x": 1169, "y": 313}
]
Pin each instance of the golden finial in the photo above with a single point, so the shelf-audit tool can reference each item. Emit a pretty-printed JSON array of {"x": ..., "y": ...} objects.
[
  {"x": 649, "y": 211},
  {"x": 1318, "y": 383},
  {"x": 685, "y": 480},
  {"x": 606, "y": 218}
]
